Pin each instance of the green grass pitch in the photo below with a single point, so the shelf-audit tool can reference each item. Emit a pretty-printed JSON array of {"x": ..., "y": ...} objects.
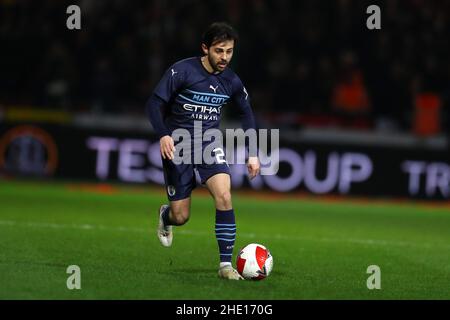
[{"x": 321, "y": 249}]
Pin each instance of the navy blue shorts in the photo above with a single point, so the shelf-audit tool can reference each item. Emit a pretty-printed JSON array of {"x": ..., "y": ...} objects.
[{"x": 180, "y": 179}]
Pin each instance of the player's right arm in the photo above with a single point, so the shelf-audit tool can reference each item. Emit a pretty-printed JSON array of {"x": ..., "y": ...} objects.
[
  {"x": 167, "y": 147},
  {"x": 154, "y": 108},
  {"x": 169, "y": 84}
]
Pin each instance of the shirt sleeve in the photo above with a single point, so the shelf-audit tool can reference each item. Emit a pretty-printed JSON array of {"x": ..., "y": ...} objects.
[
  {"x": 154, "y": 109},
  {"x": 169, "y": 84},
  {"x": 242, "y": 100}
]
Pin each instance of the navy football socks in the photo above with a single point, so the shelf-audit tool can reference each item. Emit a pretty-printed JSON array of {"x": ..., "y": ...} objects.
[
  {"x": 165, "y": 216},
  {"x": 225, "y": 234}
]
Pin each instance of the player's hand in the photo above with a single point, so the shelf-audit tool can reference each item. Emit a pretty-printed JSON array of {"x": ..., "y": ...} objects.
[
  {"x": 167, "y": 147},
  {"x": 253, "y": 167}
]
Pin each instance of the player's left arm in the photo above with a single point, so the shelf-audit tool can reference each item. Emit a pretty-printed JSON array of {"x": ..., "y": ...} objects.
[{"x": 242, "y": 101}]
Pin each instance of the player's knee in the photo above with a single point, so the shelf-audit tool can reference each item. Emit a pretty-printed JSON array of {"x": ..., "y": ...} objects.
[
  {"x": 223, "y": 199},
  {"x": 180, "y": 216}
]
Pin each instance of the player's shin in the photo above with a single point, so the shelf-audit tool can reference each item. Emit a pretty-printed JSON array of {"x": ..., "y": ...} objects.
[
  {"x": 225, "y": 235},
  {"x": 165, "y": 216}
]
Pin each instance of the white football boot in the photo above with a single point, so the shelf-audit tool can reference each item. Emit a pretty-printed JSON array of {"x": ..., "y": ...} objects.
[
  {"x": 228, "y": 272},
  {"x": 165, "y": 234}
]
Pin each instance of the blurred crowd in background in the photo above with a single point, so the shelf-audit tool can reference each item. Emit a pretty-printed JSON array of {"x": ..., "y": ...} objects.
[{"x": 304, "y": 63}]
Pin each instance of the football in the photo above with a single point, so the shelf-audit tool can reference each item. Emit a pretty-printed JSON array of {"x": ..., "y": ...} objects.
[{"x": 254, "y": 262}]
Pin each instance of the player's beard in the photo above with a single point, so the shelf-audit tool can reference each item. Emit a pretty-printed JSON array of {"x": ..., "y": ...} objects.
[{"x": 215, "y": 65}]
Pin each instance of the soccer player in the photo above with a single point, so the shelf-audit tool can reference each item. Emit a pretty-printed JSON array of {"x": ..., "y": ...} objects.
[{"x": 195, "y": 90}]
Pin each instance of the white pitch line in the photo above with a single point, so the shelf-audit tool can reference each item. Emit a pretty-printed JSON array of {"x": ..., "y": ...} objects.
[{"x": 376, "y": 242}]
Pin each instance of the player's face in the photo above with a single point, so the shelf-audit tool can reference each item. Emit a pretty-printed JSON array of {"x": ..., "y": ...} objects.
[{"x": 220, "y": 54}]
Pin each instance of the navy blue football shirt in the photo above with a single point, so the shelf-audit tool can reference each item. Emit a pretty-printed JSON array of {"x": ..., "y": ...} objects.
[{"x": 187, "y": 92}]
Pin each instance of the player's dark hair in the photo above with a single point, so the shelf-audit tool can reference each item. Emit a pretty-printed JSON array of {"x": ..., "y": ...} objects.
[{"x": 218, "y": 32}]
